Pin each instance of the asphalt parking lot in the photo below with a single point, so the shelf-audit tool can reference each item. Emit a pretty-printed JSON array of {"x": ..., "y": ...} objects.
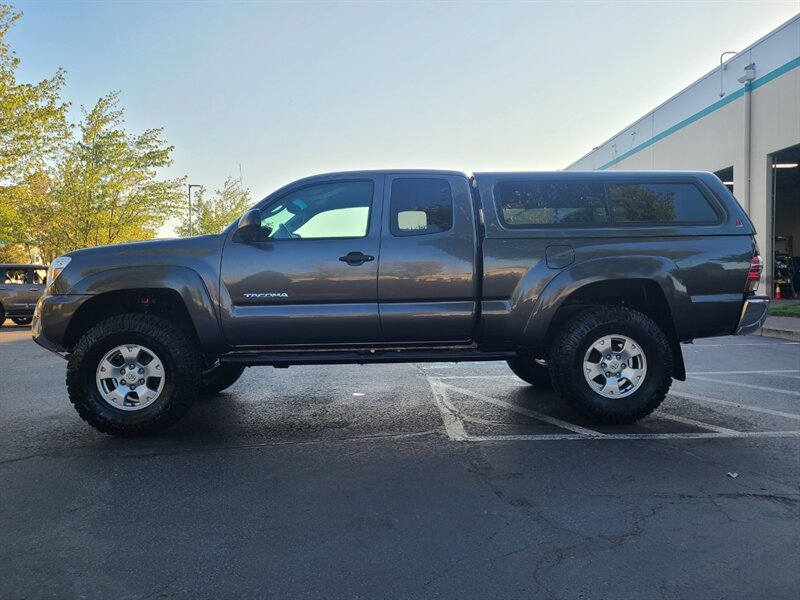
[{"x": 408, "y": 481}]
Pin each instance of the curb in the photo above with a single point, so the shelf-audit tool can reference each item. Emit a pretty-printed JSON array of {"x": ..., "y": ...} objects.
[{"x": 783, "y": 334}]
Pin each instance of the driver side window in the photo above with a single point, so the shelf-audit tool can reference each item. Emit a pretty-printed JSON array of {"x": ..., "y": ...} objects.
[{"x": 328, "y": 210}]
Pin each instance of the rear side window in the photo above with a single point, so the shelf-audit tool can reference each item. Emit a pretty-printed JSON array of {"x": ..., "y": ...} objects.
[
  {"x": 531, "y": 204},
  {"x": 15, "y": 276},
  {"x": 659, "y": 203},
  {"x": 420, "y": 206}
]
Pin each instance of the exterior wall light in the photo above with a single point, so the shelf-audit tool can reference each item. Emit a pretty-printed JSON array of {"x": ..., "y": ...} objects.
[{"x": 749, "y": 74}]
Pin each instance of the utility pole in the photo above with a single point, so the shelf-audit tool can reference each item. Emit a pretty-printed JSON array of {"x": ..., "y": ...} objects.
[{"x": 191, "y": 227}]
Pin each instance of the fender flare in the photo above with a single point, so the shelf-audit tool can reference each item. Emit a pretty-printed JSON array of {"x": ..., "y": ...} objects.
[
  {"x": 662, "y": 271},
  {"x": 185, "y": 281}
]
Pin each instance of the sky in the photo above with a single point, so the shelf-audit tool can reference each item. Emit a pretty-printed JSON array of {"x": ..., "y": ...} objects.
[{"x": 290, "y": 89}]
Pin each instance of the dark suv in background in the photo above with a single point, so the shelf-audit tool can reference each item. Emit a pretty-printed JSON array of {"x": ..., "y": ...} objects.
[{"x": 20, "y": 288}]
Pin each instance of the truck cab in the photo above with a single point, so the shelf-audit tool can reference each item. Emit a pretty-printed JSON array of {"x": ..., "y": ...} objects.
[{"x": 349, "y": 259}]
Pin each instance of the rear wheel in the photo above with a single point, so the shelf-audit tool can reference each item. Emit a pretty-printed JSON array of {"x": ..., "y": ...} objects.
[
  {"x": 535, "y": 371},
  {"x": 612, "y": 364},
  {"x": 22, "y": 320},
  {"x": 133, "y": 375},
  {"x": 219, "y": 377}
]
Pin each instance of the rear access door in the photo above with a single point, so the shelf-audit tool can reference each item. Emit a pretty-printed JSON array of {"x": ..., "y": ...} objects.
[{"x": 427, "y": 277}]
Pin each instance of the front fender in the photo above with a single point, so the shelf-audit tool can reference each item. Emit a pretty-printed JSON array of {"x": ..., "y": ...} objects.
[
  {"x": 187, "y": 282},
  {"x": 662, "y": 271}
]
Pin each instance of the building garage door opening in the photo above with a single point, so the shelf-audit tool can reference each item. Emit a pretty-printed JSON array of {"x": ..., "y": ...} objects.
[
  {"x": 726, "y": 176},
  {"x": 785, "y": 167}
]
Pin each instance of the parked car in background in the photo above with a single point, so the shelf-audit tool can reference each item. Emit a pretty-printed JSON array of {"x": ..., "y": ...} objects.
[{"x": 20, "y": 288}]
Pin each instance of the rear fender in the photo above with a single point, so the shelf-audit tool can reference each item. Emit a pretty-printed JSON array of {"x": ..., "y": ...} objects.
[{"x": 662, "y": 271}]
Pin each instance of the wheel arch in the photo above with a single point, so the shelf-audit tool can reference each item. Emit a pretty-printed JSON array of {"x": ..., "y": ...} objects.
[
  {"x": 177, "y": 293},
  {"x": 651, "y": 285}
]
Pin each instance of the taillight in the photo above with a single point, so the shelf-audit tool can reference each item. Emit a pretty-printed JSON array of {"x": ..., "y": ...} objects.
[{"x": 754, "y": 274}]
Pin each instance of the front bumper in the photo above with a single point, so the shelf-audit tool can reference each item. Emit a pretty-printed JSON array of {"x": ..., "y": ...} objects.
[
  {"x": 51, "y": 318},
  {"x": 754, "y": 313}
]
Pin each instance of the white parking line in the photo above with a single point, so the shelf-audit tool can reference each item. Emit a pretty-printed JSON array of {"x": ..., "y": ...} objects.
[
  {"x": 527, "y": 412},
  {"x": 453, "y": 419},
  {"x": 452, "y": 423},
  {"x": 695, "y": 423},
  {"x": 766, "y": 411},
  {"x": 744, "y": 344},
  {"x": 764, "y": 372},
  {"x": 477, "y": 377},
  {"x": 634, "y": 436},
  {"x": 760, "y": 388}
]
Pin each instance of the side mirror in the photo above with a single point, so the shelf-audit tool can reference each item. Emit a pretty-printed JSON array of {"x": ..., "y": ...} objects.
[{"x": 249, "y": 228}]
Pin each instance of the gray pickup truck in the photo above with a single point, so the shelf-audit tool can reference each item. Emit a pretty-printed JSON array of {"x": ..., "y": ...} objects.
[{"x": 586, "y": 282}]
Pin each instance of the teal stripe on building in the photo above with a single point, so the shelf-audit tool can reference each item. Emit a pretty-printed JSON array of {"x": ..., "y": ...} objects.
[{"x": 772, "y": 75}]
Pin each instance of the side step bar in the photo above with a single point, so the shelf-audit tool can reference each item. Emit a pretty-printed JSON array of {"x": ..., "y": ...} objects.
[{"x": 282, "y": 360}]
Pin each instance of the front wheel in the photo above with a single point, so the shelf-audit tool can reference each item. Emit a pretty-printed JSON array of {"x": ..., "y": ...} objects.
[
  {"x": 22, "y": 320},
  {"x": 133, "y": 375},
  {"x": 612, "y": 364}
]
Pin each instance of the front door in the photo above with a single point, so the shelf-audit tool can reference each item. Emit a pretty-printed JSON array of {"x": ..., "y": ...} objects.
[
  {"x": 313, "y": 278},
  {"x": 37, "y": 277}
]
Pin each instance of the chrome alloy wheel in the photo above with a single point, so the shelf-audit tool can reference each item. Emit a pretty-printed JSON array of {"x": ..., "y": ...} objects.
[
  {"x": 130, "y": 377},
  {"x": 615, "y": 366}
]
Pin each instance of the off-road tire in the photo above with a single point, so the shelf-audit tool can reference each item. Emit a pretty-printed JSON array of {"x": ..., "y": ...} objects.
[
  {"x": 178, "y": 354},
  {"x": 526, "y": 368},
  {"x": 570, "y": 347},
  {"x": 22, "y": 320},
  {"x": 219, "y": 378}
]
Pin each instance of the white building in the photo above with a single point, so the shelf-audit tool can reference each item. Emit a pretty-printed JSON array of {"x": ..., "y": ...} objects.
[{"x": 741, "y": 121}]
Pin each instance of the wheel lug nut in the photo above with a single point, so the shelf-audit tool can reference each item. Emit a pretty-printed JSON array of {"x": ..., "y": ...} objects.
[
  {"x": 618, "y": 356},
  {"x": 623, "y": 366},
  {"x": 608, "y": 374},
  {"x": 141, "y": 382},
  {"x": 132, "y": 366},
  {"x": 122, "y": 371},
  {"x": 602, "y": 364},
  {"x": 140, "y": 371},
  {"x": 133, "y": 387},
  {"x": 608, "y": 357}
]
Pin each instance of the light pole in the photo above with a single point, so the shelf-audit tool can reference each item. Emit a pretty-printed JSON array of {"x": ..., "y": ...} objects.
[{"x": 191, "y": 229}]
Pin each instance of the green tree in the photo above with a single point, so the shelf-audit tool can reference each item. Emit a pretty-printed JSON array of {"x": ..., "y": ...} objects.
[
  {"x": 63, "y": 187},
  {"x": 212, "y": 215},
  {"x": 33, "y": 131},
  {"x": 108, "y": 189}
]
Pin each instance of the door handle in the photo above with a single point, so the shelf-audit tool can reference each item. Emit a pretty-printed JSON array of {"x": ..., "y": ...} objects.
[
  {"x": 33, "y": 289},
  {"x": 356, "y": 258}
]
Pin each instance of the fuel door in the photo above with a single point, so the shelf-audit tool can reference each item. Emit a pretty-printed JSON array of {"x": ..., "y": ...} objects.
[{"x": 559, "y": 256}]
